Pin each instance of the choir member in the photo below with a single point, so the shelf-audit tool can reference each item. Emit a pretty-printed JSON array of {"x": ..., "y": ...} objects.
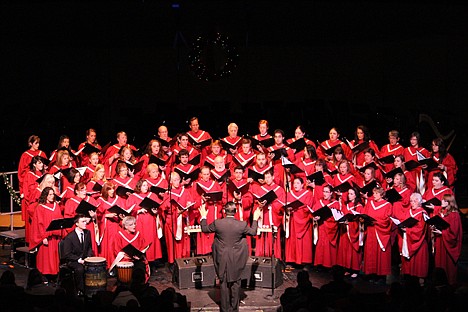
[
  {"x": 377, "y": 249},
  {"x": 401, "y": 206},
  {"x": 163, "y": 134},
  {"x": 90, "y": 167},
  {"x": 154, "y": 149},
  {"x": 25, "y": 159},
  {"x": 47, "y": 180},
  {"x": 150, "y": 227},
  {"x": 99, "y": 178},
  {"x": 318, "y": 189},
  {"x": 62, "y": 164},
  {"x": 279, "y": 144},
  {"x": 91, "y": 139},
  {"x": 334, "y": 140},
  {"x": 337, "y": 157},
  {"x": 46, "y": 242},
  {"x": 155, "y": 179},
  {"x": 112, "y": 152},
  {"x": 109, "y": 222},
  {"x": 125, "y": 156},
  {"x": 30, "y": 183},
  {"x": 216, "y": 149},
  {"x": 63, "y": 144},
  {"x": 299, "y": 134},
  {"x": 128, "y": 235},
  {"x": 72, "y": 177},
  {"x": 183, "y": 144},
  {"x": 177, "y": 207},
  {"x": 344, "y": 175},
  {"x": 298, "y": 228},
  {"x": 326, "y": 232},
  {"x": 438, "y": 190},
  {"x": 232, "y": 139},
  {"x": 91, "y": 222},
  {"x": 414, "y": 152},
  {"x": 392, "y": 148},
  {"x": 272, "y": 216},
  {"x": 447, "y": 165},
  {"x": 414, "y": 252},
  {"x": 351, "y": 239},
  {"x": 204, "y": 186},
  {"x": 186, "y": 168},
  {"x": 220, "y": 173},
  {"x": 197, "y": 136},
  {"x": 244, "y": 157},
  {"x": 124, "y": 176},
  {"x": 307, "y": 162},
  {"x": 448, "y": 242},
  {"x": 362, "y": 135},
  {"x": 263, "y": 127},
  {"x": 399, "y": 162}
]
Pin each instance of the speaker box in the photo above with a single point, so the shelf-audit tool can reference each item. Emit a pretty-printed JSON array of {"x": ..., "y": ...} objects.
[
  {"x": 258, "y": 272},
  {"x": 194, "y": 272}
]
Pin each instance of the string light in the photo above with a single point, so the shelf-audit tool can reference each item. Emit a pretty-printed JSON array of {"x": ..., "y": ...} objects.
[
  {"x": 11, "y": 190},
  {"x": 199, "y": 67}
]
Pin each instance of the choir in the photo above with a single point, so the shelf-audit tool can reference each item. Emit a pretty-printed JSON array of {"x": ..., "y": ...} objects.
[{"x": 335, "y": 202}]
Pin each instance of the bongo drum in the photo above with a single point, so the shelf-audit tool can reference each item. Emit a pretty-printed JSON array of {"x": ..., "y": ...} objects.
[
  {"x": 124, "y": 271},
  {"x": 95, "y": 275}
]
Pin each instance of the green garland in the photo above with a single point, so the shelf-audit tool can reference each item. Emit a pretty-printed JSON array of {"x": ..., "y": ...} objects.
[
  {"x": 11, "y": 190},
  {"x": 199, "y": 67}
]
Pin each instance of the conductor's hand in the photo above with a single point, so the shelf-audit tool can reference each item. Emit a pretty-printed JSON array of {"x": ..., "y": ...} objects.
[
  {"x": 203, "y": 211},
  {"x": 257, "y": 214}
]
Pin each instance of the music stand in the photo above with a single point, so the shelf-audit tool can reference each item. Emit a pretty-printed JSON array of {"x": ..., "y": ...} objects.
[{"x": 60, "y": 224}]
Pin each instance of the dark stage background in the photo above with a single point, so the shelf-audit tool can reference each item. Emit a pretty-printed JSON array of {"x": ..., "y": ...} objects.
[{"x": 68, "y": 65}]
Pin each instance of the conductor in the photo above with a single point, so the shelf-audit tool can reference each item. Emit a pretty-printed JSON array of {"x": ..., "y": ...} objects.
[{"x": 230, "y": 251}]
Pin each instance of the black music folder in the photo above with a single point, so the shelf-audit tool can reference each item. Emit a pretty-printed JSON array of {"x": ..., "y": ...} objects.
[
  {"x": 116, "y": 209},
  {"x": 392, "y": 195},
  {"x": 438, "y": 222},
  {"x": 324, "y": 213},
  {"x": 316, "y": 177},
  {"x": 84, "y": 208},
  {"x": 269, "y": 197},
  {"x": 298, "y": 145}
]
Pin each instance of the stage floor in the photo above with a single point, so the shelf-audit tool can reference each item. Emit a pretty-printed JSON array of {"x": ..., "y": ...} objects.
[{"x": 206, "y": 299}]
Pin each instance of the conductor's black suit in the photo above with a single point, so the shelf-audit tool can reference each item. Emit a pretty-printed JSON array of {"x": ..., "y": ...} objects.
[
  {"x": 72, "y": 249},
  {"x": 230, "y": 254}
]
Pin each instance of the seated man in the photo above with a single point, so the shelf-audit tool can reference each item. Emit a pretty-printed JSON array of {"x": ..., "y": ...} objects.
[{"x": 76, "y": 247}]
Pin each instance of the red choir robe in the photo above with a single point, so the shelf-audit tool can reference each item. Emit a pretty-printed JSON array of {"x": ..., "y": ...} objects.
[
  {"x": 377, "y": 251},
  {"x": 339, "y": 179},
  {"x": 187, "y": 169},
  {"x": 399, "y": 211},
  {"x": 242, "y": 159},
  {"x": 358, "y": 158},
  {"x": 29, "y": 185},
  {"x": 108, "y": 227},
  {"x": 439, "y": 194},
  {"x": 23, "y": 165},
  {"x": 124, "y": 238},
  {"x": 387, "y": 150},
  {"x": 450, "y": 173},
  {"x": 351, "y": 239},
  {"x": 244, "y": 208},
  {"x": 288, "y": 150},
  {"x": 125, "y": 182},
  {"x": 149, "y": 226},
  {"x": 300, "y": 154},
  {"x": 199, "y": 137},
  {"x": 47, "y": 259},
  {"x": 448, "y": 245},
  {"x": 326, "y": 235},
  {"x": 63, "y": 182},
  {"x": 92, "y": 226},
  {"x": 318, "y": 190},
  {"x": 177, "y": 240},
  {"x": 89, "y": 188},
  {"x": 298, "y": 228},
  {"x": 210, "y": 158},
  {"x": 306, "y": 165},
  {"x": 83, "y": 158},
  {"x": 174, "y": 160},
  {"x": 415, "y": 253},
  {"x": 53, "y": 157},
  {"x": 143, "y": 174},
  {"x": 158, "y": 182},
  {"x": 215, "y": 209},
  {"x": 114, "y": 149},
  {"x": 411, "y": 153},
  {"x": 236, "y": 141},
  {"x": 221, "y": 177},
  {"x": 88, "y": 174},
  {"x": 67, "y": 193},
  {"x": 325, "y": 145},
  {"x": 272, "y": 216}
]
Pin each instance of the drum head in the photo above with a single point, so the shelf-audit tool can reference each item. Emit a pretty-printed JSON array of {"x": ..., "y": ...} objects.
[
  {"x": 125, "y": 264},
  {"x": 95, "y": 259}
]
